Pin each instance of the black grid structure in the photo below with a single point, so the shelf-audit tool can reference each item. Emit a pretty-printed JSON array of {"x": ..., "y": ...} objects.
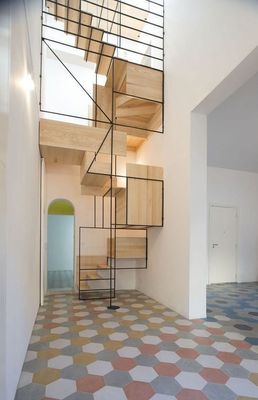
[{"x": 109, "y": 32}]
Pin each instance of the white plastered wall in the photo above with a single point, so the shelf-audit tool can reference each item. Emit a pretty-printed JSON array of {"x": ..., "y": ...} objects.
[
  {"x": 204, "y": 41},
  {"x": 22, "y": 189}
]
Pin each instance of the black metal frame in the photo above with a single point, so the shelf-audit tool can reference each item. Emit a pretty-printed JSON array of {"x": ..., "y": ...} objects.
[
  {"x": 111, "y": 269},
  {"x": 111, "y": 122}
]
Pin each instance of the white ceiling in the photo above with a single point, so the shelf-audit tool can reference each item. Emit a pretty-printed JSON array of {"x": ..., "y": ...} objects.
[{"x": 233, "y": 130}]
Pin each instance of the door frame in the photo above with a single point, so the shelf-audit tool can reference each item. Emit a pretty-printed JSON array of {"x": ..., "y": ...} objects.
[{"x": 210, "y": 205}]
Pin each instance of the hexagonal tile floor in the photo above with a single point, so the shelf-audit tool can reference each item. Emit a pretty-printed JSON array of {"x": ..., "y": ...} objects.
[{"x": 80, "y": 350}]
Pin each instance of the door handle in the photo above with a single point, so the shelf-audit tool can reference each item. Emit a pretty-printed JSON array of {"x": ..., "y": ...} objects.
[{"x": 214, "y": 245}]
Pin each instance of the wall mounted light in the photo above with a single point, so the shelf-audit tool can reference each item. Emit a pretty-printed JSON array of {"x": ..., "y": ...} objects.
[{"x": 27, "y": 83}]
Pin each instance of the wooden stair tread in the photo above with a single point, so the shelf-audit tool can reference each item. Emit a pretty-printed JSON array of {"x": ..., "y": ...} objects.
[
  {"x": 93, "y": 47},
  {"x": 107, "y": 53},
  {"x": 92, "y": 275},
  {"x": 90, "y": 34},
  {"x": 103, "y": 266},
  {"x": 84, "y": 285}
]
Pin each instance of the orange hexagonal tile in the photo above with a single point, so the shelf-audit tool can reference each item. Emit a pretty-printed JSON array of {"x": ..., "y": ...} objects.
[
  {"x": 229, "y": 357},
  {"x": 166, "y": 369},
  {"x": 187, "y": 353},
  {"x": 90, "y": 383},
  {"x": 214, "y": 375},
  {"x": 123, "y": 363},
  {"x": 190, "y": 394},
  {"x": 138, "y": 390}
]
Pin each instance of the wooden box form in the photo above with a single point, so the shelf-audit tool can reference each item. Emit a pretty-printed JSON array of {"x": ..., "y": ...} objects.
[
  {"x": 141, "y": 203},
  {"x": 128, "y": 247}
]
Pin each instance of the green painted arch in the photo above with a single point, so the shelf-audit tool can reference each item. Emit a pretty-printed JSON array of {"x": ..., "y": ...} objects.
[{"x": 61, "y": 207}]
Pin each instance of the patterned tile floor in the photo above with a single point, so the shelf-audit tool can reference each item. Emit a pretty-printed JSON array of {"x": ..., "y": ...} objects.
[{"x": 81, "y": 351}]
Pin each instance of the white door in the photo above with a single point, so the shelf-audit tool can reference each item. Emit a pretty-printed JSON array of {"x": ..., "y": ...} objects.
[{"x": 222, "y": 244}]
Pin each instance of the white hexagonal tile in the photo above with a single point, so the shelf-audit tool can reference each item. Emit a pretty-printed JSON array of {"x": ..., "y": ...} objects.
[
  {"x": 139, "y": 327},
  {"x": 212, "y": 324},
  {"x": 81, "y": 314},
  {"x": 183, "y": 322},
  {"x": 170, "y": 313},
  {"x": 105, "y": 316},
  {"x": 88, "y": 333},
  {"x": 100, "y": 368},
  {"x": 61, "y": 388},
  {"x": 223, "y": 346},
  {"x": 145, "y": 312},
  {"x": 31, "y": 355},
  {"x": 167, "y": 356},
  {"x": 25, "y": 379},
  {"x": 254, "y": 349},
  {"x": 250, "y": 365},
  {"x": 59, "y": 330},
  {"x": 59, "y": 312},
  {"x": 79, "y": 307},
  {"x": 221, "y": 318},
  {"x": 119, "y": 336},
  {"x": 243, "y": 387},
  {"x": 122, "y": 310},
  {"x": 168, "y": 329},
  {"x": 60, "y": 362},
  {"x": 137, "y": 305},
  {"x": 100, "y": 308},
  {"x": 110, "y": 392},
  {"x": 111, "y": 324},
  {"x": 149, "y": 339},
  {"x": 93, "y": 348},
  {"x": 59, "y": 305},
  {"x": 129, "y": 352},
  {"x": 186, "y": 343},
  {"x": 129, "y": 318},
  {"x": 191, "y": 380},
  {"x": 234, "y": 336},
  {"x": 85, "y": 322},
  {"x": 59, "y": 343},
  {"x": 60, "y": 320},
  {"x": 37, "y": 327},
  {"x": 200, "y": 333},
  {"x": 143, "y": 374},
  {"x": 209, "y": 361},
  {"x": 34, "y": 339},
  {"x": 159, "y": 396}
]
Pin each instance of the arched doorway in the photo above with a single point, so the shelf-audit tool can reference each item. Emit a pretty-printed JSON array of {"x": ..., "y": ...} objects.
[{"x": 60, "y": 245}]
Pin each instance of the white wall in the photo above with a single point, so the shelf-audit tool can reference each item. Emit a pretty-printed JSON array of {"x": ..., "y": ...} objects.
[
  {"x": 63, "y": 182},
  {"x": 4, "y": 99},
  {"x": 204, "y": 41},
  {"x": 239, "y": 189},
  {"x": 21, "y": 191}
]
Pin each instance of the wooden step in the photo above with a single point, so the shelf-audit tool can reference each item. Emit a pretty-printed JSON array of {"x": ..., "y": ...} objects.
[
  {"x": 66, "y": 143},
  {"x": 57, "y": 9},
  {"x": 103, "y": 266},
  {"x": 93, "y": 46},
  {"x": 128, "y": 247},
  {"x": 107, "y": 52},
  {"x": 91, "y": 275},
  {"x": 84, "y": 285},
  {"x": 73, "y": 14}
]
